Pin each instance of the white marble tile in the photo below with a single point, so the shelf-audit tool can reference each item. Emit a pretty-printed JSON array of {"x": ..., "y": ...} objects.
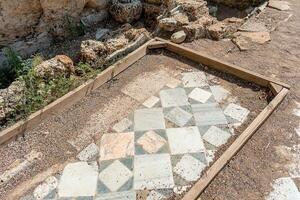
[
  {"x": 219, "y": 93},
  {"x": 149, "y": 119},
  {"x": 126, "y": 195},
  {"x": 216, "y": 136},
  {"x": 151, "y": 101},
  {"x": 153, "y": 171},
  {"x": 185, "y": 140},
  {"x": 115, "y": 176},
  {"x": 189, "y": 168},
  {"x": 200, "y": 95},
  {"x": 194, "y": 79},
  {"x": 117, "y": 145},
  {"x": 208, "y": 114},
  {"x": 122, "y": 126},
  {"x": 236, "y": 112},
  {"x": 151, "y": 142},
  {"x": 179, "y": 116},
  {"x": 173, "y": 97},
  {"x": 78, "y": 180},
  {"x": 89, "y": 153}
]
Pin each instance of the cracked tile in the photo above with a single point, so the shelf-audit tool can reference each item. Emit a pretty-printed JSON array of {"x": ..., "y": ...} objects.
[
  {"x": 236, "y": 112},
  {"x": 179, "y": 116}
]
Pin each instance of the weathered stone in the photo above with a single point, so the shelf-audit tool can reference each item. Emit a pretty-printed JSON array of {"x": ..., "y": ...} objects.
[
  {"x": 239, "y": 3},
  {"x": 279, "y": 5},
  {"x": 178, "y": 37},
  {"x": 90, "y": 153},
  {"x": 97, "y": 4},
  {"x": 181, "y": 19},
  {"x": 217, "y": 30},
  {"x": 94, "y": 18},
  {"x": 168, "y": 24},
  {"x": 93, "y": 52},
  {"x": 193, "y": 8},
  {"x": 44, "y": 189},
  {"x": 59, "y": 65},
  {"x": 126, "y": 11},
  {"x": 197, "y": 29},
  {"x": 101, "y": 33}
]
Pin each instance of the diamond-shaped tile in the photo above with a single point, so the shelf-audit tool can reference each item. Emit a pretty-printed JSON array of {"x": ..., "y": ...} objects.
[
  {"x": 200, "y": 95},
  {"x": 236, "y": 112},
  {"x": 149, "y": 119},
  {"x": 208, "y": 114},
  {"x": 153, "y": 171},
  {"x": 216, "y": 136},
  {"x": 194, "y": 79},
  {"x": 151, "y": 142},
  {"x": 189, "y": 168},
  {"x": 179, "y": 116},
  {"x": 151, "y": 101},
  {"x": 220, "y": 93},
  {"x": 118, "y": 145},
  {"x": 122, "y": 126},
  {"x": 115, "y": 175},
  {"x": 173, "y": 97},
  {"x": 185, "y": 140}
]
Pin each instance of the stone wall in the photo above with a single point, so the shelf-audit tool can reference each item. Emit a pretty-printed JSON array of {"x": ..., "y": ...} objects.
[{"x": 19, "y": 18}]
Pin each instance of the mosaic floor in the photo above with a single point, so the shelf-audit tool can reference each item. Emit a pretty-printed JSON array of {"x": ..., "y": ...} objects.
[{"x": 162, "y": 147}]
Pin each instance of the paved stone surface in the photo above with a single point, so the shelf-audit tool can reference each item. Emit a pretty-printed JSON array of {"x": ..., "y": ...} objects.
[
  {"x": 216, "y": 136},
  {"x": 200, "y": 95},
  {"x": 194, "y": 79},
  {"x": 127, "y": 195},
  {"x": 90, "y": 153},
  {"x": 123, "y": 125},
  {"x": 208, "y": 114},
  {"x": 114, "y": 146},
  {"x": 189, "y": 168},
  {"x": 153, "y": 172},
  {"x": 151, "y": 142},
  {"x": 173, "y": 97},
  {"x": 185, "y": 140},
  {"x": 236, "y": 112},
  {"x": 78, "y": 180},
  {"x": 115, "y": 176},
  {"x": 149, "y": 119},
  {"x": 219, "y": 93},
  {"x": 179, "y": 116},
  {"x": 44, "y": 189},
  {"x": 150, "y": 102}
]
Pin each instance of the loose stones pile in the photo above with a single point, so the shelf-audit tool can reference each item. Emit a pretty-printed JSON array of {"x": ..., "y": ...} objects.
[{"x": 160, "y": 149}]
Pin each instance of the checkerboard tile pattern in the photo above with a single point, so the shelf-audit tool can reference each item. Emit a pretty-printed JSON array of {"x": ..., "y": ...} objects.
[{"x": 168, "y": 141}]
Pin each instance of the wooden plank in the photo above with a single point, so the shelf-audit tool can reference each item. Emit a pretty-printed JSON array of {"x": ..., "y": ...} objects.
[
  {"x": 212, "y": 172},
  {"x": 219, "y": 65},
  {"x": 157, "y": 45},
  {"x": 275, "y": 88},
  {"x": 73, "y": 96}
]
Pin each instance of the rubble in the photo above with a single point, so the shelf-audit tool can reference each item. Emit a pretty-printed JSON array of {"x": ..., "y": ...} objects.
[{"x": 126, "y": 11}]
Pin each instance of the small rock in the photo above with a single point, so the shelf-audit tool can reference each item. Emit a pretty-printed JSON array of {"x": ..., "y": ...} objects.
[
  {"x": 45, "y": 188},
  {"x": 168, "y": 24},
  {"x": 178, "y": 37},
  {"x": 90, "y": 153},
  {"x": 217, "y": 30},
  {"x": 126, "y": 11},
  {"x": 101, "y": 33},
  {"x": 59, "y": 65},
  {"x": 94, "y": 18},
  {"x": 279, "y": 5}
]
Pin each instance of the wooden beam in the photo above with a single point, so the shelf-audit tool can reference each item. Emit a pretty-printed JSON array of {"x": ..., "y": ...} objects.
[
  {"x": 73, "y": 96},
  {"x": 157, "y": 45},
  {"x": 275, "y": 88},
  {"x": 213, "y": 171},
  {"x": 201, "y": 57}
]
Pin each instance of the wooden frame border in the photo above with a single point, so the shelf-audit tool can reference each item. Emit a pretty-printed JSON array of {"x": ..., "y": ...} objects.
[{"x": 279, "y": 89}]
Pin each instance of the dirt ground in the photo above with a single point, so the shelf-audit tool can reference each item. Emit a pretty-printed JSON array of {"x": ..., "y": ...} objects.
[{"x": 250, "y": 173}]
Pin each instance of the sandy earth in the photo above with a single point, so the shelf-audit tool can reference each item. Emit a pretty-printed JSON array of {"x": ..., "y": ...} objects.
[{"x": 252, "y": 171}]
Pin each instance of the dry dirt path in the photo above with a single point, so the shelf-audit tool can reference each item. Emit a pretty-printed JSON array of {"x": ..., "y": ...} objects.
[{"x": 272, "y": 152}]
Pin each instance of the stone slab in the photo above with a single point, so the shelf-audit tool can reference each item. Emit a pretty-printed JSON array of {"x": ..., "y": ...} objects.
[
  {"x": 90, "y": 153},
  {"x": 117, "y": 145},
  {"x": 173, "y": 97},
  {"x": 153, "y": 171},
  {"x": 216, "y": 136},
  {"x": 179, "y": 116},
  {"x": 208, "y": 114},
  {"x": 151, "y": 142},
  {"x": 200, "y": 95},
  {"x": 236, "y": 112},
  {"x": 78, "y": 180},
  {"x": 151, "y": 101},
  {"x": 185, "y": 140},
  {"x": 194, "y": 79},
  {"x": 149, "y": 119}
]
